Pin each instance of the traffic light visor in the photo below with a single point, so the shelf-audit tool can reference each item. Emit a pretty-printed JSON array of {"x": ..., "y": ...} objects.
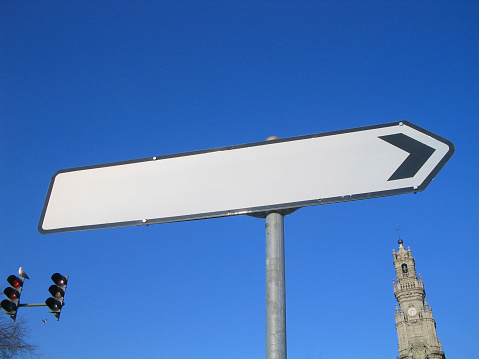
[
  {"x": 8, "y": 305},
  {"x": 14, "y": 281},
  {"x": 56, "y": 291},
  {"x": 58, "y": 279},
  {"x": 12, "y": 293},
  {"x": 53, "y": 304}
]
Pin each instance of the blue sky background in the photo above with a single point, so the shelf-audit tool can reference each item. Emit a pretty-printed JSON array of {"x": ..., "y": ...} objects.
[{"x": 92, "y": 82}]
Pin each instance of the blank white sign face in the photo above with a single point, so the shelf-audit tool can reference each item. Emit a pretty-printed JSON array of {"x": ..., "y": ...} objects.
[{"x": 273, "y": 175}]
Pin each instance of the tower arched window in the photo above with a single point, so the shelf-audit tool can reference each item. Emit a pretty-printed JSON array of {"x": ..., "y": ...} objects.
[{"x": 404, "y": 270}]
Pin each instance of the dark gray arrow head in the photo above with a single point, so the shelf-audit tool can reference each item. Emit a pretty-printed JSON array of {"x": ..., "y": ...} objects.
[{"x": 419, "y": 153}]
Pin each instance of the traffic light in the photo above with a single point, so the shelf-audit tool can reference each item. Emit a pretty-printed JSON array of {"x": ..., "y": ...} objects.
[
  {"x": 10, "y": 305},
  {"x": 57, "y": 290}
]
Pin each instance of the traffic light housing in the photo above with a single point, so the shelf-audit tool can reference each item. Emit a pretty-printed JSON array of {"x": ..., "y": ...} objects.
[
  {"x": 11, "y": 304},
  {"x": 56, "y": 302}
]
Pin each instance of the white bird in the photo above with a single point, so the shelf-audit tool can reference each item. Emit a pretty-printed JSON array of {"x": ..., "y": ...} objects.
[{"x": 22, "y": 273}]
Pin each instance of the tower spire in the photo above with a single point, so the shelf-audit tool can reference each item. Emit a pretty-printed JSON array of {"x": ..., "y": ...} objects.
[{"x": 398, "y": 230}]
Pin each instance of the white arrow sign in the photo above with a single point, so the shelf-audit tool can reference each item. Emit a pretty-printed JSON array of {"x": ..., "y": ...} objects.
[{"x": 338, "y": 166}]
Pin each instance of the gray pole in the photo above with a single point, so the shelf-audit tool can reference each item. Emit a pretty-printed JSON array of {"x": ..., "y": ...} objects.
[{"x": 275, "y": 287}]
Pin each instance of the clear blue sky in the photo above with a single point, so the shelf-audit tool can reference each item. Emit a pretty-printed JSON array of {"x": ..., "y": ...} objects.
[{"x": 92, "y": 82}]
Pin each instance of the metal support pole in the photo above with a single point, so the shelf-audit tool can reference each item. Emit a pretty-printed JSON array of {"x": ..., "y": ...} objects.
[
  {"x": 275, "y": 287},
  {"x": 32, "y": 305}
]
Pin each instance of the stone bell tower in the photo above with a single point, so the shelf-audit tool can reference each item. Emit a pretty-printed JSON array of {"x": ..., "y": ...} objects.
[{"x": 415, "y": 324}]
